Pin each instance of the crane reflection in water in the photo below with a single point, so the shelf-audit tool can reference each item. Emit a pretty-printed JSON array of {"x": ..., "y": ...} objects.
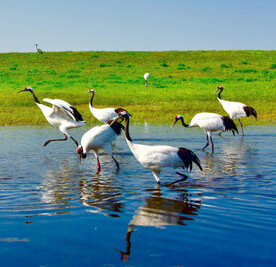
[{"x": 159, "y": 211}]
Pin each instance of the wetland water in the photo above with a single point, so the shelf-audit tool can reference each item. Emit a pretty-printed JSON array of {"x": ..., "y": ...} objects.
[{"x": 55, "y": 213}]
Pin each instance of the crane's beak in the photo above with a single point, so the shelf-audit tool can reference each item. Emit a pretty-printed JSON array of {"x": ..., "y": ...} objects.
[
  {"x": 117, "y": 118},
  {"x": 21, "y": 91},
  {"x": 79, "y": 159},
  {"x": 175, "y": 121}
]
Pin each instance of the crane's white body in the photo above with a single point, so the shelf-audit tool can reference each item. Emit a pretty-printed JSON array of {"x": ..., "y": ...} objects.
[
  {"x": 146, "y": 76},
  {"x": 156, "y": 158},
  {"x": 60, "y": 115},
  {"x": 234, "y": 109},
  {"x": 208, "y": 122},
  {"x": 103, "y": 114},
  {"x": 99, "y": 137}
]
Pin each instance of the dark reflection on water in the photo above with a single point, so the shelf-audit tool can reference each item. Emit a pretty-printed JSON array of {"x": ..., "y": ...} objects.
[
  {"x": 158, "y": 211},
  {"x": 225, "y": 212}
]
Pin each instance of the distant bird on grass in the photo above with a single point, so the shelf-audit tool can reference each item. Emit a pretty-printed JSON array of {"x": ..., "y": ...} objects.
[
  {"x": 236, "y": 110},
  {"x": 146, "y": 77},
  {"x": 38, "y": 50},
  {"x": 158, "y": 158},
  {"x": 99, "y": 137},
  {"x": 102, "y": 114},
  {"x": 209, "y": 122},
  {"x": 61, "y": 115}
]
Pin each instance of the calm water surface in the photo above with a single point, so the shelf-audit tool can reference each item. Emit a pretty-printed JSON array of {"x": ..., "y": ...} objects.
[{"x": 55, "y": 213}]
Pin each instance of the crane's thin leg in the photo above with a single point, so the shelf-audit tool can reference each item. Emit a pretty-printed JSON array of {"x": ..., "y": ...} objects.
[
  {"x": 207, "y": 143},
  {"x": 220, "y": 133},
  {"x": 185, "y": 177},
  {"x": 212, "y": 144},
  {"x": 47, "y": 142},
  {"x": 99, "y": 165},
  {"x": 75, "y": 141},
  {"x": 241, "y": 126},
  {"x": 117, "y": 164}
]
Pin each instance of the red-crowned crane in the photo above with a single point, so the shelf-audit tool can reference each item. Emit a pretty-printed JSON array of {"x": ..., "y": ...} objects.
[
  {"x": 102, "y": 114},
  {"x": 99, "y": 137},
  {"x": 236, "y": 110},
  {"x": 38, "y": 50},
  {"x": 61, "y": 115},
  {"x": 146, "y": 76},
  {"x": 156, "y": 158},
  {"x": 209, "y": 122}
]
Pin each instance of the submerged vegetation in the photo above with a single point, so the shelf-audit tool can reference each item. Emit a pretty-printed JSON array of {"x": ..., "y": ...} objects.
[{"x": 181, "y": 82}]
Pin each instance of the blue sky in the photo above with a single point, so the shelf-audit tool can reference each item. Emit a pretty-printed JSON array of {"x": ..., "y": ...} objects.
[{"x": 137, "y": 25}]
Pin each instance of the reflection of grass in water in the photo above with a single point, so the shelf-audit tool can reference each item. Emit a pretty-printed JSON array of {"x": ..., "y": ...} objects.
[{"x": 181, "y": 82}]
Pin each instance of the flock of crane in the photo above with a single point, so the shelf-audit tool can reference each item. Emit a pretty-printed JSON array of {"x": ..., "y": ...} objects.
[{"x": 155, "y": 158}]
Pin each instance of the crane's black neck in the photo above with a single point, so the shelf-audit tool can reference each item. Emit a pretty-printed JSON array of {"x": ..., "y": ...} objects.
[
  {"x": 219, "y": 96},
  {"x": 127, "y": 129},
  {"x": 34, "y": 96},
  {"x": 183, "y": 123},
  {"x": 92, "y": 97},
  {"x": 116, "y": 126}
]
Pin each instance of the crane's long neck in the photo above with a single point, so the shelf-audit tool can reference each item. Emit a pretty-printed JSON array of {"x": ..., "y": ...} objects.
[
  {"x": 127, "y": 129},
  {"x": 219, "y": 96},
  {"x": 34, "y": 96},
  {"x": 183, "y": 123},
  {"x": 91, "y": 100}
]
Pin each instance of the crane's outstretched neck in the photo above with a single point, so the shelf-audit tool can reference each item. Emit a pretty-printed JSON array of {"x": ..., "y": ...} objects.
[
  {"x": 28, "y": 88},
  {"x": 183, "y": 123},
  {"x": 34, "y": 96},
  {"x": 177, "y": 118},
  {"x": 127, "y": 129}
]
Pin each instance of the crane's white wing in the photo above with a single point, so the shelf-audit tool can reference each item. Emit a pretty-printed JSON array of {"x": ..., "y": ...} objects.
[{"x": 68, "y": 109}]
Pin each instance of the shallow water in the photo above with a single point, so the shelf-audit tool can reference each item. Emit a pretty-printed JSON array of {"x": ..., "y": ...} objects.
[{"x": 55, "y": 213}]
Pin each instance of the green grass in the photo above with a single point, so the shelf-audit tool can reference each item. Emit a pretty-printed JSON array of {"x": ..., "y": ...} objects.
[{"x": 181, "y": 82}]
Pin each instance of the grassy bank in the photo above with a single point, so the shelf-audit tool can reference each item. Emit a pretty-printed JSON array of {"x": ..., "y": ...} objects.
[{"x": 181, "y": 82}]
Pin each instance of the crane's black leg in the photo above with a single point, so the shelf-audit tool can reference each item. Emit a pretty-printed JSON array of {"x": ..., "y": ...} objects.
[
  {"x": 75, "y": 141},
  {"x": 241, "y": 126},
  {"x": 207, "y": 143},
  {"x": 117, "y": 164},
  {"x": 185, "y": 177},
  {"x": 47, "y": 142},
  {"x": 220, "y": 133}
]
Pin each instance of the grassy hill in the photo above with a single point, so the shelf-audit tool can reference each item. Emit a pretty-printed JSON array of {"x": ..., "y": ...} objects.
[{"x": 181, "y": 82}]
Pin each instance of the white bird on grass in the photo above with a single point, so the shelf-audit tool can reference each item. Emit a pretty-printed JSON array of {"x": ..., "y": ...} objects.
[
  {"x": 99, "y": 137},
  {"x": 38, "y": 50},
  {"x": 146, "y": 76},
  {"x": 156, "y": 158},
  {"x": 102, "y": 114},
  {"x": 209, "y": 122},
  {"x": 61, "y": 115},
  {"x": 236, "y": 110}
]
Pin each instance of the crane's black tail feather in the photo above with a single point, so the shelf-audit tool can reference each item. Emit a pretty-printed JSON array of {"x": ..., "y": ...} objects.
[
  {"x": 250, "y": 111},
  {"x": 229, "y": 125},
  {"x": 188, "y": 157}
]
